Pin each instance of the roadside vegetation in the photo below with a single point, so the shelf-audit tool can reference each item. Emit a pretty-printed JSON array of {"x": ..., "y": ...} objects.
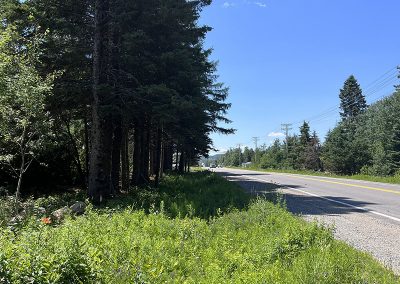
[
  {"x": 395, "y": 179},
  {"x": 365, "y": 144},
  {"x": 195, "y": 228}
]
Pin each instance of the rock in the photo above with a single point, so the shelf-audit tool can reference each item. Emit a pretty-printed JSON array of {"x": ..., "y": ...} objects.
[
  {"x": 78, "y": 208},
  {"x": 59, "y": 214},
  {"x": 40, "y": 211},
  {"x": 16, "y": 220}
]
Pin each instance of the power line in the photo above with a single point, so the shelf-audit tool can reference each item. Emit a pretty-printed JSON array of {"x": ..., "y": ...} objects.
[
  {"x": 377, "y": 85},
  {"x": 389, "y": 77}
]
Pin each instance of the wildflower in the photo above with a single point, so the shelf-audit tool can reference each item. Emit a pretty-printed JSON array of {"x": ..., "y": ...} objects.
[{"x": 46, "y": 220}]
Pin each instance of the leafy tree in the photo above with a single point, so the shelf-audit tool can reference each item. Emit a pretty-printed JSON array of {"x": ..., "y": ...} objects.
[
  {"x": 24, "y": 120},
  {"x": 273, "y": 157}
]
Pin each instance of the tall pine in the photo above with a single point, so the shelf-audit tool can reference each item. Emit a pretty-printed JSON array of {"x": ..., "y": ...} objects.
[{"x": 352, "y": 101}]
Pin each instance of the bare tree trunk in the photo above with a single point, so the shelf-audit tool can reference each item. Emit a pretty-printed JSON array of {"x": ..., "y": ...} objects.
[
  {"x": 87, "y": 150},
  {"x": 100, "y": 156},
  {"x": 157, "y": 162},
  {"x": 125, "y": 159},
  {"x": 116, "y": 157},
  {"x": 177, "y": 159},
  {"x": 167, "y": 156},
  {"x": 144, "y": 177},
  {"x": 137, "y": 153},
  {"x": 21, "y": 173},
  {"x": 182, "y": 160}
]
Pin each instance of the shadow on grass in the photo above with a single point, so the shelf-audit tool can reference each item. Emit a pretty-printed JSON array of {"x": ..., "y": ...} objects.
[
  {"x": 199, "y": 194},
  {"x": 299, "y": 203}
]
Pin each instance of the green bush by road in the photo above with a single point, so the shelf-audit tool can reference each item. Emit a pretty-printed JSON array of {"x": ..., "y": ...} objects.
[{"x": 180, "y": 243}]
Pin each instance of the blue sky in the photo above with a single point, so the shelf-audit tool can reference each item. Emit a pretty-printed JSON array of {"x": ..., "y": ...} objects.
[{"x": 286, "y": 60}]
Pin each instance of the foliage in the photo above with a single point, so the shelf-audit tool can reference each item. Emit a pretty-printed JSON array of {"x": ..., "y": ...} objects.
[
  {"x": 395, "y": 179},
  {"x": 155, "y": 88},
  {"x": 24, "y": 120},
  {"x": 199, "y": 194},
  {"x": 352, "y": 101},
  {"x": 263, "y": 243},
  {"x": 366, "y": 144},
  {"x": 297, "y": 152}
]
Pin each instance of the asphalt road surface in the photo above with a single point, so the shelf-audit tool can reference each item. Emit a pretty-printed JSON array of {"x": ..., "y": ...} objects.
[{"x": 365, "y": 214}]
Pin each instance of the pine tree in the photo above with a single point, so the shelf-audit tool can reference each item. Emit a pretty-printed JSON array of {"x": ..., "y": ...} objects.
[
  {"x": 305, "y": 134},
  {"x": 352, "y": 101}
]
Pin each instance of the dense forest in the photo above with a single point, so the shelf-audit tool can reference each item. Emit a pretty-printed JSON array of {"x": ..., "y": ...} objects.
[
  {"x": 366, "y": 141},
  {"x": 104, "y": 94}
]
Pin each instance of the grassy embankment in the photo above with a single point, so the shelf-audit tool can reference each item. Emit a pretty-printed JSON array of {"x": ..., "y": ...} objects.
[
  {"x": 197, "y": 228},
  {"x": 386, "y": 179}
]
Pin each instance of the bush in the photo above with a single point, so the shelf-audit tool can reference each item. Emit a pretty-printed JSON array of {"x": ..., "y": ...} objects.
[{"x": 260, "y": 243}]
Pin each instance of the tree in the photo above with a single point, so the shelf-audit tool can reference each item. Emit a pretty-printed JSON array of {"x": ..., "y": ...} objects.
[
  {"x": 305, "y": 134},
  {"x": 352, "y": 101},
  {"x": 24, "y": 120},
  {"x": 154, "y": 92},
  {"x": 273, "y": 156},
  {"x": 101, "y": 137},
  {"x": 312, "y": 153}
]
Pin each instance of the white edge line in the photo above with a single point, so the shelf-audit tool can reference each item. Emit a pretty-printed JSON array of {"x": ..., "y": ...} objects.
[{"x": 336, "y": 201}]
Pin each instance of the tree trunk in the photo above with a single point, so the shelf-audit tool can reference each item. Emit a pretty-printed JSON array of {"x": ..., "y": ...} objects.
[
  {"x": 168, "y": 154},
  {"x": 181, "y": 167},
  {"x": 145, "y": 159},
  {"x": 177, "y": 159},
  {"x": 87, "y": 150},
  {"x": 77, "y": 160},
  {"x": 20, "y": 175},
  {"x": 137, "y": 153},
  {"x": 125, "y": 159},
  {"x": 157, "y": 158},
  {"x": 100, "y": 156},
  {"x": 116, "y": 156}
]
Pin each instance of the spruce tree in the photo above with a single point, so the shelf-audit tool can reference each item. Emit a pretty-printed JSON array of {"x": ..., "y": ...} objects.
[
  {"x": 352, "y": 101},
  {"x": 305, "y": 134}
]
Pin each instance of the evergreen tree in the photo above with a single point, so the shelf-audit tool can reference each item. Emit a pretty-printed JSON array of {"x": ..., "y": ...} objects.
[
  {"x": 305, "y": 134},
  {"x": 352, "y": 101}
]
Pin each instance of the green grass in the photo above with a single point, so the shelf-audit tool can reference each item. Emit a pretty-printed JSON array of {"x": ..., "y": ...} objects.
[
  {"x": 173, "y": 242},
  {"x": 387, "y": 179}
]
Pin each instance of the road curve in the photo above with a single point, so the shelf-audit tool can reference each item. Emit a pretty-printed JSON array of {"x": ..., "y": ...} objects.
[{"x": 365, "y": 214}]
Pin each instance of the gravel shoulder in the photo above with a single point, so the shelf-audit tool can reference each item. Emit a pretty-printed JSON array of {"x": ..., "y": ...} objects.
[{"x": 370, "y": 233}]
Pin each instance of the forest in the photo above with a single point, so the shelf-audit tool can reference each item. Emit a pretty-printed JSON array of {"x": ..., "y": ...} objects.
[
  {"x": 365, "y": 141},
  {"x": 104, "y": 94}
]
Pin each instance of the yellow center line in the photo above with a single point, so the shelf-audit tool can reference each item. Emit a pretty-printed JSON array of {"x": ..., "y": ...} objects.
[{"x": 347, "y": 184}]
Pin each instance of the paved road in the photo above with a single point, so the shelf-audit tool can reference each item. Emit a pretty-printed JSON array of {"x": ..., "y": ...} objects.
[{"x": 365, "y": 214}]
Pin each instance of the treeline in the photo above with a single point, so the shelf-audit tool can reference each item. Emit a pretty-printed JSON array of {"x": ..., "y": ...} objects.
[
  {"x": 366, "y": 141},
  {"x": 300, "y": 152},
  {"x": 104, "y": 93}
]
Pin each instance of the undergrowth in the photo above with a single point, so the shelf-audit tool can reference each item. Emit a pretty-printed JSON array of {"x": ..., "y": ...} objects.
[{"x": 196, "y": 228}]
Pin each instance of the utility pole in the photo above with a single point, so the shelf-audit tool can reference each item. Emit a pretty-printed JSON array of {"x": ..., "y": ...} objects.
[
  {"x": 255, "y": 139},
  {"x": 240, "y": 154},
  {"x": 286, "y": 127}
]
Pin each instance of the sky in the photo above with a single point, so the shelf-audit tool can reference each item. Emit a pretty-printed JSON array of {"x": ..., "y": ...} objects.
[{"x": 286, "y": 60}]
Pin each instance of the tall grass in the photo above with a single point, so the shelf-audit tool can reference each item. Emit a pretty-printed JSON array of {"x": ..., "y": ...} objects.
[{"x": 168, "y": 243}]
